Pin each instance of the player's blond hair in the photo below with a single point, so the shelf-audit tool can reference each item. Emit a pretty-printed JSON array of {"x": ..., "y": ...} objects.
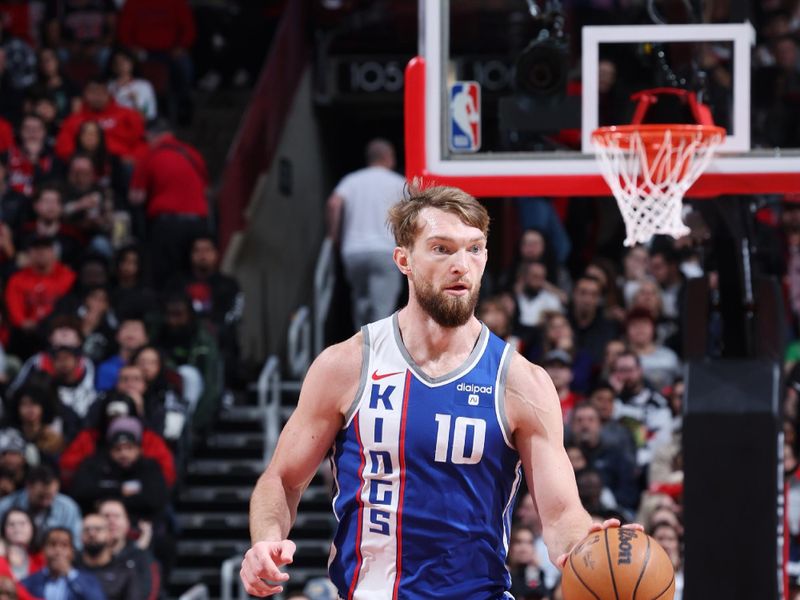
[{"x": 403, "y": 216}]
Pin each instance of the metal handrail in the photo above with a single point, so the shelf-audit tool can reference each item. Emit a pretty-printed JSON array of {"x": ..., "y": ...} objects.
[
  {"x": 268, "y": 390},
  {"x": 198, "y": 591},
  {"x": 324, "y": 281},
  {"x": 299, "y": 343}
]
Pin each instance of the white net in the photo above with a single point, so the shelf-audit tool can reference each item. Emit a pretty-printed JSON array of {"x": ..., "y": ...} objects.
[{"x": 650, "y": 169}]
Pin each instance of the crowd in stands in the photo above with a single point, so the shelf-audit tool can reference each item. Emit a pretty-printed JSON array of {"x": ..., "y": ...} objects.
[{"x": 116, "y": 326}]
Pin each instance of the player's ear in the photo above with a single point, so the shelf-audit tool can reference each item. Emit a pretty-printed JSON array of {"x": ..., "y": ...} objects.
[{"x": 402, "y": 259}]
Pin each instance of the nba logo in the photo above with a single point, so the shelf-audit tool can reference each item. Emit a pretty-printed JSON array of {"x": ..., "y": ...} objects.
[
  {"x": 465, "y": 116},
  {"x": 473, "y": 400}
]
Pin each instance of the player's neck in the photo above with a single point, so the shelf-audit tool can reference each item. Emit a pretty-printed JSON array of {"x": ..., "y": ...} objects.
[{"x": 424, "y": 337}]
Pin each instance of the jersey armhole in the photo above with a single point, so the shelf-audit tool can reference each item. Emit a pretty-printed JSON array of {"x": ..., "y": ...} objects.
[
  {"x": 500, "y": 398},
  {"x": 362, "y": 383}
]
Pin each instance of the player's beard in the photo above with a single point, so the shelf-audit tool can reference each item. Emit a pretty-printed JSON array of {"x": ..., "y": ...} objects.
[{"x": 446, "y": 310}]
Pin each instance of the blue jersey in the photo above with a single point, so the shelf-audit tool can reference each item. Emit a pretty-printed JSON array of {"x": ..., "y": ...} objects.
[{"x": 425, "y": 476}]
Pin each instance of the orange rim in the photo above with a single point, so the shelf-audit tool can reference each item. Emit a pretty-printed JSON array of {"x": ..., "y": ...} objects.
[{"x": 656, "y": 132}]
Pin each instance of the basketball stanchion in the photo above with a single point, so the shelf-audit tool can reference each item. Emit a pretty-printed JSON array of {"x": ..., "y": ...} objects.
[{"x": 649, "y": 168}]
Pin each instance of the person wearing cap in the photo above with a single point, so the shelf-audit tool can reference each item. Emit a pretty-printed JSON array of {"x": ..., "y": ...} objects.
[
  {"x": 31, "y": 294},
  {"x": 120, "y": 471},
  {"x": 558, "y": 364},
  {"x": 87, "y": 442},
  {"x": 42, "y": 499},
  {"x": 13, "y": 454},
  {"x": 660, "y": 364}
]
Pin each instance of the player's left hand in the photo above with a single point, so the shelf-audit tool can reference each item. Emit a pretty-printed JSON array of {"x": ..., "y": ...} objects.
[{"x": 562, "y": 560}]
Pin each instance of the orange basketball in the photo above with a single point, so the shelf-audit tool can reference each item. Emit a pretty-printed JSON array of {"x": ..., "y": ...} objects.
[{"x": 618, "y": 564}]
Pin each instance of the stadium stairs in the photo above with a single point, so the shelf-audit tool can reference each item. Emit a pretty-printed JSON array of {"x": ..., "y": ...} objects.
[{"x": 212, "y": 507}]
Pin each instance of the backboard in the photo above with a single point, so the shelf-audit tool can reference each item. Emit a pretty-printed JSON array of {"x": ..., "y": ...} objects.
[{"x": 504, "y": 95}]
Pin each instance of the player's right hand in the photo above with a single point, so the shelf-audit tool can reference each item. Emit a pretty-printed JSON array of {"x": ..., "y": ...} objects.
[{"x": 260, "y": 573}]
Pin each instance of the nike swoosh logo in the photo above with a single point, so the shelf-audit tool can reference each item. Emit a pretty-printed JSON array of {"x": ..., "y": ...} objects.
[{"x": 376, "y": 377}]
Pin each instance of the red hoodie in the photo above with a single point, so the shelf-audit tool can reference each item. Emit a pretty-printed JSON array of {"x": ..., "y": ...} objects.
[
  {"x": 156, "y": 25},
  {"x": 123, "y": 128},
  {"x": 85, "y": 444},
  {"x": 31, "y": 296}
]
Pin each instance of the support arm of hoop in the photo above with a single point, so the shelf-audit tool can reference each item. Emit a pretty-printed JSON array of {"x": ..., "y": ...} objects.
[
  {"x": 414, "y": 96},
  {"x": 646, "y": 98}
]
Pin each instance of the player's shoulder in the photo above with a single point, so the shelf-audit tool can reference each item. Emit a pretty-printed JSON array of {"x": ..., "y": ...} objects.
[
  {"x": 522, "y": 374},
  {"x": 340, "y": 360}
]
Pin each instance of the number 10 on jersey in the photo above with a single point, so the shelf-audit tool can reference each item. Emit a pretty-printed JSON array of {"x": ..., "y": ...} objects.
[{"x": 469, "y": 436}]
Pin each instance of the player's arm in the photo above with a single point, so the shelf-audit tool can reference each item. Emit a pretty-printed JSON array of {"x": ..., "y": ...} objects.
[
  {"x": 534, "y": 417},
  {"x": 330, "y": 385}
]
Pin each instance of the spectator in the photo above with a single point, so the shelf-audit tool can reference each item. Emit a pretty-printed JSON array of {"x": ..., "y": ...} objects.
[
  {"x": 165, "y": 407},
  {"x": 123, "y": 127},
  {"x": 88, "y": 206},
  {"x": 616, "y": 471},
  {"x": 670, "y": 540},
  {"x": 648, "y": 297},
  {"x": 93, "y": 273},
  {"x": 613, "y": 434},
  {"x": 494, "y": 315},
  {"x": 558, "y": 365},
  {"x": 13, "y": 459},
  {"x": 119, "y": 582},
  {"x": 18, "y": 533},
  {"x": 592, "y": 329},
  {"x": 10, "y": 98},
  {"x": 533, "y": 248},
  {"x": 171, "y": 182},
  {"x": 665, "y": 268},
  {"x": 33, "y": 411},
  {"x": 128, "y": 88},
  {"x": 127, "y": 552},
  {"x": 83, "y": 29},
  {"x": 604, "y": 271},
  {"x": 163, "y": 31},
  {"x": 14, "y": 210},
  {"x": 31, "y": 162},
  {"x": 41, "y": 499},
  {"x": 558, "y": 335},
  {"x": 532, "y": 299},
  {"x": 660, "y": 365},
  {"x": 595, "y": 497},
  {"x": 7, "y": 140},
  {"x": 528, "y": 516},
  {"x": 634, "y": 271},
  {"x": 48, "y": 221},
  {"x": 20, "y": 59},
  {"x": 640, "y": 407},
  {"x": 32, "y": 292},
  {"x": 90, "y": 140},
  {"x": 89, "y": 439},
  {"x": 63, "y": 360},
  {"x": 357, "y": 213},
  {"x": 523, "y": 564},
  {"x": 132, "y": 295},
  {"x": 120, "y": 471},
  {"x": 52, "y": 82},
  {"x": 186, "y": 342},
  {"x": 216, "y": 298},
  {"x": 60, "y": 579},
  {"x": 131, "y": 335}
]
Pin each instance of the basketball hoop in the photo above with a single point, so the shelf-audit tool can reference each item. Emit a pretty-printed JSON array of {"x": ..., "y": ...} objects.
[{"x": 649, "y": 168}]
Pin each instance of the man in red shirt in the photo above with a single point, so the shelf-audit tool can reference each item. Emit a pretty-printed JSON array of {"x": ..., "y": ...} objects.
[
  {"x": 123, "y": 127},
  {"x": 164, "y": 31},
  {"x": 171, "y": 181},
  {"x": 32, "y": 293}
]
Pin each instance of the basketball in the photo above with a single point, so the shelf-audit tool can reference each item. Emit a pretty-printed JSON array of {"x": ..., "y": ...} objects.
[{"x": 618, "y": 564}]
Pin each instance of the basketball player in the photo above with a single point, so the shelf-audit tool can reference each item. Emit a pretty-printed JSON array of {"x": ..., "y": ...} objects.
[{"x": 432, "y": 421}]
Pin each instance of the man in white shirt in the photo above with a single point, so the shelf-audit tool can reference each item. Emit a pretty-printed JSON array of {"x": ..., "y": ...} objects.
[
  {"x": 532, "y": 299},
  {"x": 357, "y": 213}
]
